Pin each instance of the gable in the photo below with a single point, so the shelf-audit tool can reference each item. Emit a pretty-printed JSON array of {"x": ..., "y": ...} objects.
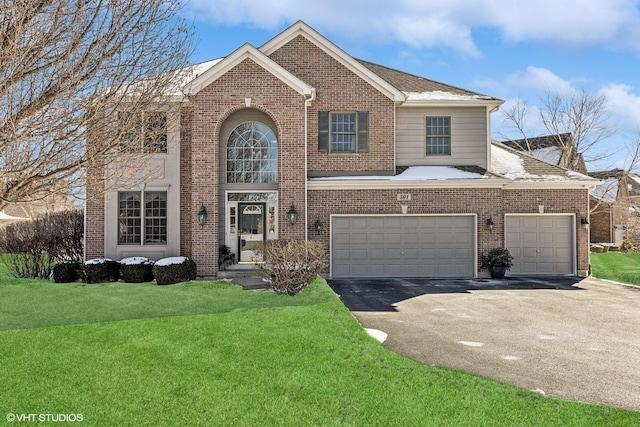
[
  {"x": 243, "y": 53},
  {"x": 301, "y": 29}
]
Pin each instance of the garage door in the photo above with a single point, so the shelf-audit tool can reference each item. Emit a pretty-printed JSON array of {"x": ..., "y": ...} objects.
[
  {"x": 540, "y": 244},
  {"x": 403, "y": 246}
]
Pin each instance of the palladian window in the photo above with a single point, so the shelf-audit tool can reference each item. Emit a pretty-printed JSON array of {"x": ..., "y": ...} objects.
[{"x": 252, "y": 155}]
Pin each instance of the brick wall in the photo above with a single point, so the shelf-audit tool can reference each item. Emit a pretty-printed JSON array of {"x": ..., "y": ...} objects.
[
  {"x": 339, "y": 89},
  {"x": 211, "y": 107},
  {"x": 486, "y": 203},
  {"x": 94, "y": 213}
]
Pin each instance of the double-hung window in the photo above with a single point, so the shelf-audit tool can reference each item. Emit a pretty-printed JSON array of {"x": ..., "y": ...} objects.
[
  {"x": 142, "y": 218},
  {"x": 343, "y": 132},
  {"x": 146, "y": 131},
  {"x": 438, "y": 135}
]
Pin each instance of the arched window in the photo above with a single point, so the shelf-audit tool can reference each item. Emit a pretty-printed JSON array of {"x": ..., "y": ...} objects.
[{"x": 252, "y": 155}]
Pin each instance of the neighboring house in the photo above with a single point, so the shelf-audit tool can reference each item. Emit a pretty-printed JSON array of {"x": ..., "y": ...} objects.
[
  {"x": 610, "y": 206},
  {"x": 552, "y": 149},
  {"x": 396, "y": 174}
]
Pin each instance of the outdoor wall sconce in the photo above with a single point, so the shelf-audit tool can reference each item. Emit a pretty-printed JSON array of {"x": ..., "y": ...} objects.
[
  {"x": 585, "y": 222},
  {"x": 292, "y": 214},
  {"x": 202, "y": 215},
  {"x": 490, "y": 224},
  {"x": 318, "y": 225}
]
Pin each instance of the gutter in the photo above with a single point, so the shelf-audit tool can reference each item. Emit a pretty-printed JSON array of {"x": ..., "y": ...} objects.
[{"x": 307, "y": 103}]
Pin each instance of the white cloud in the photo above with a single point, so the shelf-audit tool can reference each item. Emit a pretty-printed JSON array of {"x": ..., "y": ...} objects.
[
  {"x": 442, "y": 23},
  {"x": 623, "y": 104},
  {"x": 540, "y": 79}
]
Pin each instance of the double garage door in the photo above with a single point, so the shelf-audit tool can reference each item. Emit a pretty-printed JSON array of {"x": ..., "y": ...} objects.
[
  {"x": 403, "y": 246},
  {"x": 445, "y": 246}
]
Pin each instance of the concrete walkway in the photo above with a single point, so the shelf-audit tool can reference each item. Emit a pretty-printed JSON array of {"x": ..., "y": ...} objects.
[{"x": 569, "y": 338}]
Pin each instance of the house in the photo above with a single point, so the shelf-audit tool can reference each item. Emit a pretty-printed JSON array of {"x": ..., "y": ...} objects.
[
  {"x": 557, "y": 149},
  {"x": 396, "y": 174},
  {"x": 611, "y": 206}
]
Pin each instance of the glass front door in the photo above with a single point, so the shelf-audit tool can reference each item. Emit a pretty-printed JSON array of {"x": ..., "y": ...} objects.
[{"x": 251, "y": 231}]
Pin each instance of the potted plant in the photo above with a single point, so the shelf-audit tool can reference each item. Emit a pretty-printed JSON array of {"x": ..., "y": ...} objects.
[{"x": 498, "y": 261}]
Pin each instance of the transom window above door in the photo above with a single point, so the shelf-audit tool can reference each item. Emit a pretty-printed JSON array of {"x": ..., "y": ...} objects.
[{"x": 252, "y": 155}]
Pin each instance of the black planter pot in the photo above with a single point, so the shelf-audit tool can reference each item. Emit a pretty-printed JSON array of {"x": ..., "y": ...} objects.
[{"x": 497, "y": 271}]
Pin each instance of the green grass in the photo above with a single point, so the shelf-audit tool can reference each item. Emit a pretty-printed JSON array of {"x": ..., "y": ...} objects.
[
  {"x": 617, "y": 266},
  {"x": 209, "y": 353}
]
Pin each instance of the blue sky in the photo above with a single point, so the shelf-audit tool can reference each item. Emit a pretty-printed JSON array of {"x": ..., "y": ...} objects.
[{"x": 506, "y": 49}]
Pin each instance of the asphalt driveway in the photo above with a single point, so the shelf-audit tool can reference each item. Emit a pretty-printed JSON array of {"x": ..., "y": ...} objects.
[{"x": 576, "y": 339}]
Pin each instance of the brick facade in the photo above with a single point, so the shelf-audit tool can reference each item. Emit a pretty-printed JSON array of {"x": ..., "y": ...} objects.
[
  {"x": 249, "y": 85},
  {"x": 485, "y": 202},
  {"x": 339, "y": 89},
  {"x": 605, "y": 217}
]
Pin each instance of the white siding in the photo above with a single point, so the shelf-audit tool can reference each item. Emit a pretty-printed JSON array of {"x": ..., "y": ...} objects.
[{"x": 468, "y": 137}]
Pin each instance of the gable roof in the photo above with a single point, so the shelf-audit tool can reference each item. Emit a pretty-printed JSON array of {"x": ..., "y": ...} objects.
[
  {"x": 300, "y": 28},
  {"x": 549, "y": 149},
  {"x": 218, "y": 68},
  {"x": 405, "y": 88},
  {"x": 522, "y": 167},
  {"x": 418, "y": 88}
]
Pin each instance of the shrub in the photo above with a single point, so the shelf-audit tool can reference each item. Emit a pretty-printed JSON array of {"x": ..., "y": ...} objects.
[
  {"x": 66, "y": 272},
  {"x": 31, "y": 248},
  {"x": 100, "y": 270},
  {"x": 291, "y": 264},
  {"x": 497, "y": 257},
  {"x": 627, "y": 246},
  {"x": 225, "y": 257},
  {"x": 136, "y": 269},
  {"x": 168, "y": 271}
]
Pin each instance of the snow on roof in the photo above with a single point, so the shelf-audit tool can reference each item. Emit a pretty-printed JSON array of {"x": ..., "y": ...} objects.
[
  {"x": 548, "y": 154},
  {"x": 508, "y": 164},
  {"x": 523, "y": 167},
  {"x": 607, "y": 191},
  {"x": 414, "y": 173},
  {"x": 438, "y": 95}
]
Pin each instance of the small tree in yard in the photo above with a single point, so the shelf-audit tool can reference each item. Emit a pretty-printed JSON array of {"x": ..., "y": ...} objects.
[{"x": 291, "y": 264}]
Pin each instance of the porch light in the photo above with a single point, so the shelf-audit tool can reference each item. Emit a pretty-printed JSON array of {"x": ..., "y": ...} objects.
[
  {"x": 585, "y": 222},
  {"x": 490, "y": 224},
  {"x": 292, "y": 214},
  {"x": 202, "y": 215},
  {"x": 318, "y": 225}
]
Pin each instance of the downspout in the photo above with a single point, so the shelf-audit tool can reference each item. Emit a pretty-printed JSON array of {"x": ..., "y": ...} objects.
[{"x": 307, "y": 103}]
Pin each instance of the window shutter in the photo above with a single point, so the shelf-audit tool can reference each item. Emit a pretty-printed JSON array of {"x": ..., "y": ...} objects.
[
  {"x": 363, "y": 132},
  {"x": 323, "y": 131}
]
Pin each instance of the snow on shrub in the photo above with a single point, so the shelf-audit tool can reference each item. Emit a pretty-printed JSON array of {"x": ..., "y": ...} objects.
[
  {"x": 100, "y": 270},
  {"x": 136, "y": 269},
  {"x": 172, "y": 270}
]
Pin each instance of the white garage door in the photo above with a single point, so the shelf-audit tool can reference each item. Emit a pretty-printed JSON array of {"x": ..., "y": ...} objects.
[
  {"x": 403, "y": 246},
  {"x": 541, "y": 244}
]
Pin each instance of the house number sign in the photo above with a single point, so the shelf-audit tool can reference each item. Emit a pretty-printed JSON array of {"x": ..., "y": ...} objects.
[{"x": 404, "y": 197}]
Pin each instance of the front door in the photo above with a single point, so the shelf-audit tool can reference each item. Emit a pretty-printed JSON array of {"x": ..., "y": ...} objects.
[{"x": 251, "y": 231}]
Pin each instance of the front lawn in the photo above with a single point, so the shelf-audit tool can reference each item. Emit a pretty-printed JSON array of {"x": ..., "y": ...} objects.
[
  {"x": 617, "y": 266},
  {"x": 209, "y": 353}
]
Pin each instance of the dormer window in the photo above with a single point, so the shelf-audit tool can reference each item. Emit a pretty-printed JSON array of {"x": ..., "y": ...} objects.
[{"x": 438, "y": 136}]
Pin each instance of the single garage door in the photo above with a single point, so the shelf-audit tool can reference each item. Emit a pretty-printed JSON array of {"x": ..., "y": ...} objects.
[
  {"x": 540, "y": 244},
  {"x": 403, "y": 246}
]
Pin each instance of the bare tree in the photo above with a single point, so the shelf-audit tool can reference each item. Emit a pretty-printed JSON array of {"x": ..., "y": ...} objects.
[
  {"x": 582, "y": 115},
  {"x": 67, "y": 68}
]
